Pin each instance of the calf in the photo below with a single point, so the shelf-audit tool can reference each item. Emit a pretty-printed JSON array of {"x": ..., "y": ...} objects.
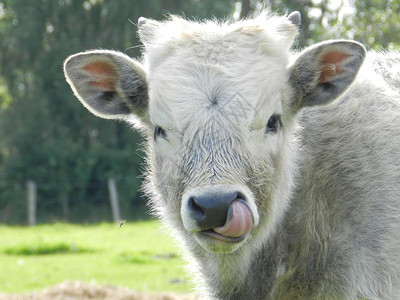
[{"x": 278, "y": 172}]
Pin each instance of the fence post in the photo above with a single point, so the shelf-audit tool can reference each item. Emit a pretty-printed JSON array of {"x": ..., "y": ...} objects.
[
  {"x": 65, "y": 206},
  {"x": 31, "y": 202},
  {"x": 112, "y": 191}
]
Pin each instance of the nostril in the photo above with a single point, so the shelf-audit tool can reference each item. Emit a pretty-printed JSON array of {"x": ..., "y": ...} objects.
[
  {"x": 240, "y": 196},
  {"x": 197, "y": 212}
]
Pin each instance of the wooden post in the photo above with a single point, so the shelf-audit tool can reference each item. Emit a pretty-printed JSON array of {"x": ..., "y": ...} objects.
[
  {"x": 112, "y": 191},
  {"x": 31, "y": 202},
  {"x": 65, "y": 206}
]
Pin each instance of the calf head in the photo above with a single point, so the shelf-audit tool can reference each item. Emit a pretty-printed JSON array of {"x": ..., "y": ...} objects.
[{"x": 218, "y": 103}]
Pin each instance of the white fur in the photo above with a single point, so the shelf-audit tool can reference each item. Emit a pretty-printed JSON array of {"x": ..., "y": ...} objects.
[{"x": 324, "y": 188}]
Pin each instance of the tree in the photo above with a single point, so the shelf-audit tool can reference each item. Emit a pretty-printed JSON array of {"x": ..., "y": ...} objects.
[
  {"x": 46, "y": 134},
  {"x": 375, "y": 23}
]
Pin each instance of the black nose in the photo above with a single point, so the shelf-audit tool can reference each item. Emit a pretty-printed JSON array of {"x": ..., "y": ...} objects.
[{"x": 210, "y": 211}]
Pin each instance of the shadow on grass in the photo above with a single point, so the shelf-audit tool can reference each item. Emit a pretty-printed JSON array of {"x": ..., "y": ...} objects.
[{"x": 47, "y": 249}]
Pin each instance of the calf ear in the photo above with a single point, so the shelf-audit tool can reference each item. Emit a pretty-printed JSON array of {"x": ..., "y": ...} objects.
[
  {"x": 324, "y": 71},
  {"x": 108, "y": 83}
]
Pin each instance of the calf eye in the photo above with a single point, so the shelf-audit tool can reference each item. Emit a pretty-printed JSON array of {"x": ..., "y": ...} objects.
[
  {"x": 159, "y": 132},
  {"x": 273, "y": 124}
]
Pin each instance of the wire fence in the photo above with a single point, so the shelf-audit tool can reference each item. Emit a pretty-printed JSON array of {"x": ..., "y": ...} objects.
[{"x": 30, "y": 203}]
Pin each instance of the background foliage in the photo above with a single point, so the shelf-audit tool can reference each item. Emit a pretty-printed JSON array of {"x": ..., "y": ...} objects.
[{"x": 47, "y": 136}]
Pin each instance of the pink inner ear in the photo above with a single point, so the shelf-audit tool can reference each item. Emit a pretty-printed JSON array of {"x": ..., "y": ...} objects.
[
  {"x": 103, "y": 75},
  {"x": 330, "y": 66}
]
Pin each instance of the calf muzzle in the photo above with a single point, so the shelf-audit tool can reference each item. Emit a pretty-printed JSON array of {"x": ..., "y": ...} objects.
[{"x": 211, "y": 211}]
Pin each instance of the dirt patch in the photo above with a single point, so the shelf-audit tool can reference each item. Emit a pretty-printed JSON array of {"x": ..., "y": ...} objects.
[{"x": 76, "y": 290}]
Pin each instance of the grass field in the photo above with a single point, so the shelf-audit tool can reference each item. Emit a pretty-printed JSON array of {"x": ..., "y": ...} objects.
[{"x": 138, "y": 256}]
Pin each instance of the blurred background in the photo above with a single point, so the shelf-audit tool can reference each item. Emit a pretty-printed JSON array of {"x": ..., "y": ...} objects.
[{"x": 54, "y": 151}]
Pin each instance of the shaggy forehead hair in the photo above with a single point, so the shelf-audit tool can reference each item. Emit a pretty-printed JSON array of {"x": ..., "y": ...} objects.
[
  {"x": 267, "y": 33},
  {"x": 215, "y": 62}
]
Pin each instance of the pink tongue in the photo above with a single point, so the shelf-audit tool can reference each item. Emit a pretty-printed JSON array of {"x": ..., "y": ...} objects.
[{"x": 240, "y": 223}]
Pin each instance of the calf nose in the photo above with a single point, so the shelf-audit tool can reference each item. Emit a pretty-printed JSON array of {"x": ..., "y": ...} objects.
[{"x": 211, "y": 211}]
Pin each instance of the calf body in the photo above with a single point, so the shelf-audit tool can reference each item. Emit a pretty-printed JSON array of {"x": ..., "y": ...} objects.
[{"x": 278, "y": 172}]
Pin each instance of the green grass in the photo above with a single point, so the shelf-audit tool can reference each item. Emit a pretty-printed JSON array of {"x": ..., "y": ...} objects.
[
  {"x": 139, "y": 256},
  {"x": 45, "y": 248}
]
